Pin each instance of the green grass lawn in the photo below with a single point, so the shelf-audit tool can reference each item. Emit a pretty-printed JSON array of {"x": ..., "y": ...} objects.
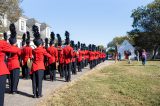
[{"x": 116, "y": 85}]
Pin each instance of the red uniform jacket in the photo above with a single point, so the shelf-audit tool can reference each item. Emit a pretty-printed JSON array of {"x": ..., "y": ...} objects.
[
  {"x": 38, "y": 61},
  {"x": 54, "y": 53},
  {"x": 87, "y": 54},
  {"x": 80, "y": 54},
  {"x": 60, "y": 55},
  {"x": 83, "y": 55},
  {"x": 13, "y": 59},
  {"x": 94, "y": 55},
  {"x": 68, "y": 54},
  {"x": 26, "y": 54},
  {"x": 74, "y": 56},
  {"x": 91, "y": 55},
  {"x": 104, "y": 55},
  {"x": 4, "y": 48}
]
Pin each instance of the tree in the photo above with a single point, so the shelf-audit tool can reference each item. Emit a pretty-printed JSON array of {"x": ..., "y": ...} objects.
[
  {"x": 118, "y": 40},
  {"x": 11, "y": 9},
  {"x": 146, "y": 26}
]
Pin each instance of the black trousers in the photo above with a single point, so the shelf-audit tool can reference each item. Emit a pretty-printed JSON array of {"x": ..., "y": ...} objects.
[
  {"x": 86, "y": 62},
  {"x": 74, "y": 71},
  {"x": 46, "y": 72},
  {"x": 61, "y": 70},
  {"x": 80, "y": 66},
  {"x": 91, "y": 64},
  {"x": 68, "y": 72},
  {"x": 37, "y": 78},
  {"x": 52, "y": 71},
  {"x": 14, "y": 80},
  {"x": 2, "y": 88},
  {"x": 94, "y": 63},
  {"x": 25, "y": 71}
]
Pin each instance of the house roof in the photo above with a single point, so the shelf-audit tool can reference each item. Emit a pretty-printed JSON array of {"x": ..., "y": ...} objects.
[
  {"x": 31, "y": 22},
  {"x": 43, "y": 26},
  {"x": 24, "y": 16}
]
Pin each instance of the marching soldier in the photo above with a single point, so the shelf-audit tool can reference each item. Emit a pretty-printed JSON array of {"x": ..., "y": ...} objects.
[
  {"x": 74, "y": 72},
  {"x": 46, "y": 72},
  {"x": 93, "y": 49},
  {"x": 13, "y": 61},
  {"x": 90, "y": 56},
  {"x": 82, "y": 50},
  {"x": 4, "y": 48},
  {"x": 68, "y": 54},
  {"x": 26, "y": 56},
  {"x": 52, "y": 61},
  {"x": 80, "y": 53},
  {"x": 86, "y": 56},
  {"x": 21, "y": 63},
  {"x": 60, "y": 57},
  {"x": 37, "y": 70}
]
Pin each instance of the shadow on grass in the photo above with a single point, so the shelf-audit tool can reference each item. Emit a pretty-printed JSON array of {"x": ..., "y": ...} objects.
[{"x": 141, "y": 65}]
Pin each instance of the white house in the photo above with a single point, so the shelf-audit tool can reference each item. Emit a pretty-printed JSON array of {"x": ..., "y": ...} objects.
[
  {"x": 3, "y": 20},
  {"x": 21, "y": 24},
  {"x": 31, "y": 22},
  {"x": 126, "y": 46},
  {"x": 45, "y": 30}
]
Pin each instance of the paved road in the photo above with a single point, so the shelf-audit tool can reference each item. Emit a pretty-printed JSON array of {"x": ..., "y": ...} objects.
[{"x": 24, "y": 98}]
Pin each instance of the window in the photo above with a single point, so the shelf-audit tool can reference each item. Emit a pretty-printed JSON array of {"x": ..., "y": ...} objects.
[
  {"x": 1, "y": 19},
  {"x": 47, "y": 32},
  {"x": 22, "y": 25}
]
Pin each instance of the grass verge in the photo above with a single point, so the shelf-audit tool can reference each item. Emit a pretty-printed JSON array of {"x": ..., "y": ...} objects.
[{"x": 119, "y": 84}]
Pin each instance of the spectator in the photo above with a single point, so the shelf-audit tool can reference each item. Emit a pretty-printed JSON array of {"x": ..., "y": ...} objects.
[{"x": 144, "y": 57}]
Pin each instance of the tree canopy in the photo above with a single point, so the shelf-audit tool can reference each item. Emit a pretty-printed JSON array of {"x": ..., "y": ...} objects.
[
  {"x": 146, "y": 25},
  {"x": 119, "y": 40},
  {"x": 11, "y": 8}
]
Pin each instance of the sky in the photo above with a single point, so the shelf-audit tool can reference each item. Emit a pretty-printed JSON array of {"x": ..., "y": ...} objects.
[{"x": 88, "y": 21}]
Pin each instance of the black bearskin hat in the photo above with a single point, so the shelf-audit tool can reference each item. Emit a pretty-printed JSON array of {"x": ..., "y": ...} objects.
[
  {"x": 13, "y": 34},
  {"x": 79, "y": 45},
  {"x": 23, "y": 39},
  {"x": 59, "y": 40},
  {"x": 90, "y": 47},
  {"x": 93, "y": 47},
  {"x": 52, "y": 35},
  {"x": 46, "y": 43},
  {"x": 67, "y": 40},
  {"x": 37, "y": 39},
  {"x": 5, "y": 36},
  {"x": 72, "y": 43},
  {"x": 82, "y": 46},
  {"x": 76, "y": 47},
  {"x": 28, "y": 38}
]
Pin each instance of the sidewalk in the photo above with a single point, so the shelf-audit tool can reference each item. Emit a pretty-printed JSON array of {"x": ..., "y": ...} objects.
[{"x": 24, "y": 98}]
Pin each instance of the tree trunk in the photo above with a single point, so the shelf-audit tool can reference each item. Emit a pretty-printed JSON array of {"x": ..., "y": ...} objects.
[{"x": 154, "y": 52}]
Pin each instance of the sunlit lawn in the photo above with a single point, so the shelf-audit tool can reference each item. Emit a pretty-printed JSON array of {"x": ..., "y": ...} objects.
[{"x": 119, "y": 84}]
